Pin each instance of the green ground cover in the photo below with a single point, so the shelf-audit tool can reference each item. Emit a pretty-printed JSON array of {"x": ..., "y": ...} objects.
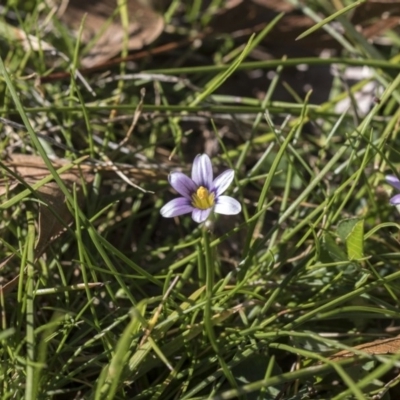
[{"x": 127, "y": 304}]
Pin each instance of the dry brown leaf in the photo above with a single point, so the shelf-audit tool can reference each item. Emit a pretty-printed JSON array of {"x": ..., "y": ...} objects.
[
  {"x": 377, "y": 347},
  {"x": 379, "y": 27},
  {"x": 252, "y": 14},
  {"x": 53, "y": 220},
  {"x": 374, "y": 17},
  {"x": 54, "y": 215},
  {"x": 373, "y": 9},
  {"x": 31, "y": 169},
  {"x": 280, "y": 6},
  {"x": 9, "y": 286},
  {"x": 102, "y": 18},
  {"x": 29, "y": 42}
]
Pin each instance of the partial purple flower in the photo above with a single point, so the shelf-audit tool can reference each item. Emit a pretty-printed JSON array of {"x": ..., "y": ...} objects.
[
  {"x": 201, "y": 194},
  {"x": 394, "y": 181}
]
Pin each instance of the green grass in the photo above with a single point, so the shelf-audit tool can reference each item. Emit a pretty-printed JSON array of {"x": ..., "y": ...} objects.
[{"x": 128, "y": 305}]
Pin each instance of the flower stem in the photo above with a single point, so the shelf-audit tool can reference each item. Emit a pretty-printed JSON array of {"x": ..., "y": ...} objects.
[
  {"x": 208, "y": 314},
  {"x": 209, "y": 262}
]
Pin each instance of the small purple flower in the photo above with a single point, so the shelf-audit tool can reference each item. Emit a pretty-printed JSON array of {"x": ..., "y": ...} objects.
[
  {"x": 201, "y": 194},
  {"x": 392, "y": 180}
]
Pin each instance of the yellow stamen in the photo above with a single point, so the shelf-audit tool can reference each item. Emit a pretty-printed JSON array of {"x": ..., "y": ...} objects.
[{"x": 202, "y": 199}]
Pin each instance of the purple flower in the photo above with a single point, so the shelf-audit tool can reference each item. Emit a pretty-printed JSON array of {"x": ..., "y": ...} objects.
[
  {"x": 201, "y": 194},
  {"x": 392, "y": 180}
]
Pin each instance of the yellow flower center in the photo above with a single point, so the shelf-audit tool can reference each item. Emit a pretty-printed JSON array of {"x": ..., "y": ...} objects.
[{"x": 202, "y": 199}]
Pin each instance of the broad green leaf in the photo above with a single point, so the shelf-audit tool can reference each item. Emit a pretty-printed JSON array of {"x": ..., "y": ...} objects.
[
  {"x": 351, "y": 232},
  {"x": 330, "y": 250}
]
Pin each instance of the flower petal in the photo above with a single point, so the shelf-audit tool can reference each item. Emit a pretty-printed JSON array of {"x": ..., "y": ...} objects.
[
  {"x": 395, "y": 200},
  {"x": 221, "y": 182},
  {"x": 182, "y": 184},
  {"x": 202, "y": 173},
  {"x": 200, "y": 215},
  {"x": 176, "y": 207},
  {"x": 394, "y": 181},
  {"x": 227, "y": 205}
]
